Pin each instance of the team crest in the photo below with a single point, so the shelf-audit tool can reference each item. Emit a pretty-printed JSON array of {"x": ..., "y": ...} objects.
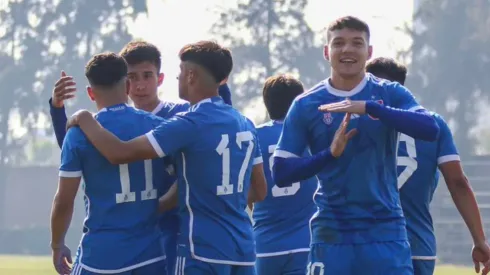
[
  {"x": 327, "y": 118},
  {"x": 380, "y": 101}
]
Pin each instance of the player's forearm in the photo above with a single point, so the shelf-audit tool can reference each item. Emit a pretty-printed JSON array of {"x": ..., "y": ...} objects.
[
  {"x": 466, "y": 203},
  {"x": 225, "y": 93},
  {"x": 58, "y": 118},
  {"x": 61, "y": 215},
  {"x": 419, "y": 125},
  {"x": 286, "y": 171},
  {"x": 170, "y": 200}
]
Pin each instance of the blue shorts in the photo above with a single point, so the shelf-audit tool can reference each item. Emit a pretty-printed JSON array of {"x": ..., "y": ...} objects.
[
  {"x": 290, "y": 264},
  {"x": 151, "y": 269},
  {"x": 169, "y": 245},
  {"x": 382, "y": 258},
  {"x": 190, "y": 266},
  {"x": 423, "y": 267}
]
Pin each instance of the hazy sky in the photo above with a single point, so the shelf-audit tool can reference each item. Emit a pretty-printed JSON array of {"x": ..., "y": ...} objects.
[{"x": 169, "y": 26}]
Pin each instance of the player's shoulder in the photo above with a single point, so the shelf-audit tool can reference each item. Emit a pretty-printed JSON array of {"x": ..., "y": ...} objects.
[
  {"x": 142, "y": 116},
  {"x": 315, "y": 91},
  {"x": 383, "y": 84},
  {"x": 441, "y": 122},
  {"x": 75, "y": 137},
  {"x": 179, "y": 106}
]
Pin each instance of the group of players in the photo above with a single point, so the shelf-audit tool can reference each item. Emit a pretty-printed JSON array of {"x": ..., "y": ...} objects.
[{"x": 167, "y": 185}]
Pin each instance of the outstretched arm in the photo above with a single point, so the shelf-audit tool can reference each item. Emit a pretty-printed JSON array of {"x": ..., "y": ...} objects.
[{"x": 418, "y": 124}]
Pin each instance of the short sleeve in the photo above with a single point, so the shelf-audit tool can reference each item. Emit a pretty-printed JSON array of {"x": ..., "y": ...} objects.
[
  {"x": 402, "y": 98},
  {"x": 71, "y": 166},
  {"x": 292, "y": 142},
  {"x": 446, "y": 148},
  {"x": 173, "y": 134}
]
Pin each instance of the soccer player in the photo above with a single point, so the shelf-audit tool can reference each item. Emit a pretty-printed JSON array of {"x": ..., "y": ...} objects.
[
  {"x": 418, "y": 176},
  {"x": 144, "y": 64},
  {"x": 282, "y": 232},
  {"x": 218, "y": 161},
  {"x": 350, "y": 123},
  {"x": 120, "y": 233}
]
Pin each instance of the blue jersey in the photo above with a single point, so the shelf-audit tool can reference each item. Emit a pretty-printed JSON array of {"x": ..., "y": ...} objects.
[
  {"x": 121, "y": 225},
  {"x": 169, "y": 221},
  {"x": 215, "y": 148},
  {"x": 167, "y": 109},
  {"x": 358, "y": 200},
  {"x": 417, "y": 180},
  {"x": 282, "y": 219}
]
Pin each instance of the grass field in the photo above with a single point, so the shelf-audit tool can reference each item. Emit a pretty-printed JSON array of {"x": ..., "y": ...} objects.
[{"x": 26, "y": 265}]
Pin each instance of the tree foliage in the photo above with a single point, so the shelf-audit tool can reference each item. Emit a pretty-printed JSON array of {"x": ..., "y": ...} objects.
[
  {"x": 38, "y": 39},
  {"x": 450, "y": 62},
  {"x": 269, "y": 37}
]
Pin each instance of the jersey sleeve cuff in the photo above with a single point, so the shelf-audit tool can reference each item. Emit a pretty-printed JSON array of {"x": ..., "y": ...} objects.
[
  {"x": 257, "y": 160},
  {"x": 154, "y": 144},
  {"x": 70, "y": 174},
  {"x": 448, "y": 158},
  {"x": 284, "y": 154}
]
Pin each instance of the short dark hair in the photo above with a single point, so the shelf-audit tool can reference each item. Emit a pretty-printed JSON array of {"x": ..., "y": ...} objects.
[
  {"x": 387, "y": 68},
  {"x": 348, "y": 22},
  {"x": 279, "y": 93},
  {"x": 139, "y": 51},
  {"x": 210, "y": 55},
  {"x": 106, "y": 69}
]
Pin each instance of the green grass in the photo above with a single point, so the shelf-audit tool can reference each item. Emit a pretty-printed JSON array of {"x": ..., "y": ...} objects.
[{"x": 27, "y": 265}]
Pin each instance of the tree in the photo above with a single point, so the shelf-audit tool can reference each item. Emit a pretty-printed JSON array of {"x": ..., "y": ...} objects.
[
  {"x": 268, "y": 37},
  {"x": 450, "y": 62},
  {"x": 37, "y": 40}
]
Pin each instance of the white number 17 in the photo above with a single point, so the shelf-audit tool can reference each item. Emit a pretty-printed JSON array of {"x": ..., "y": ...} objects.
[{"x": 226, "y": 188}]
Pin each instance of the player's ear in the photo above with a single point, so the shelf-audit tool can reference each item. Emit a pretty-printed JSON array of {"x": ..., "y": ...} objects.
[
  {"x": 370, "y": 52},
  {"x": 128, "y": 86},
  {"x": 326, "y": 54},
  {"x": 161, "y": 76},
  {"x": 90, "y": 93}
]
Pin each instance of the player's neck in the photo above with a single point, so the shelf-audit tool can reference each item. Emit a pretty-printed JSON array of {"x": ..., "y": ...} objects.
[
  {"x": 149, "y": 107},
  {"x": 202, "y": 96},
  {"x": 108, "y": 102},
  {"x": 345, "y": 84}
]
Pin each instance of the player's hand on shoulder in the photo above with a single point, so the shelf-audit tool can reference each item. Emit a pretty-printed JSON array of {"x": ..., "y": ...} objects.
[
  {"x": 345, "y": 106},
  {"x": 74, "y": 120},
  {"x": 62, "y": 259},
  {"x": 341, "y": 137},
  {"x": 481, "y": 256},
  {"x": 64, "y": 89}
]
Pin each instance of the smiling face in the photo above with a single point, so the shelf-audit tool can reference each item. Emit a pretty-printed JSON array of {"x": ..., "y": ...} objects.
[{"x": 348, "y": 50}]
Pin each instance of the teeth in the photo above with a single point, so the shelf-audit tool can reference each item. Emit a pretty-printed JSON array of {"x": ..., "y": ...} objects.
[{"x": 348, "y": 60}]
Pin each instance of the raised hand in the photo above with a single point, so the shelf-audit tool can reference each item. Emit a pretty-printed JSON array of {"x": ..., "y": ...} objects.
[
  {"x": 341, "y": 137},
  {"x": 345, "y": 106},
  {"x": 63, "y": 89}
]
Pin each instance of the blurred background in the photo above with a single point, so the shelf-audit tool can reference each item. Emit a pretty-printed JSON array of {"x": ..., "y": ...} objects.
[{"x": 445, "y": 44}]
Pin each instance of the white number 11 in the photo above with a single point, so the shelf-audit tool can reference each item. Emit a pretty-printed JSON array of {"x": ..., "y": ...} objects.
[{"x": 126, "y": 195}]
